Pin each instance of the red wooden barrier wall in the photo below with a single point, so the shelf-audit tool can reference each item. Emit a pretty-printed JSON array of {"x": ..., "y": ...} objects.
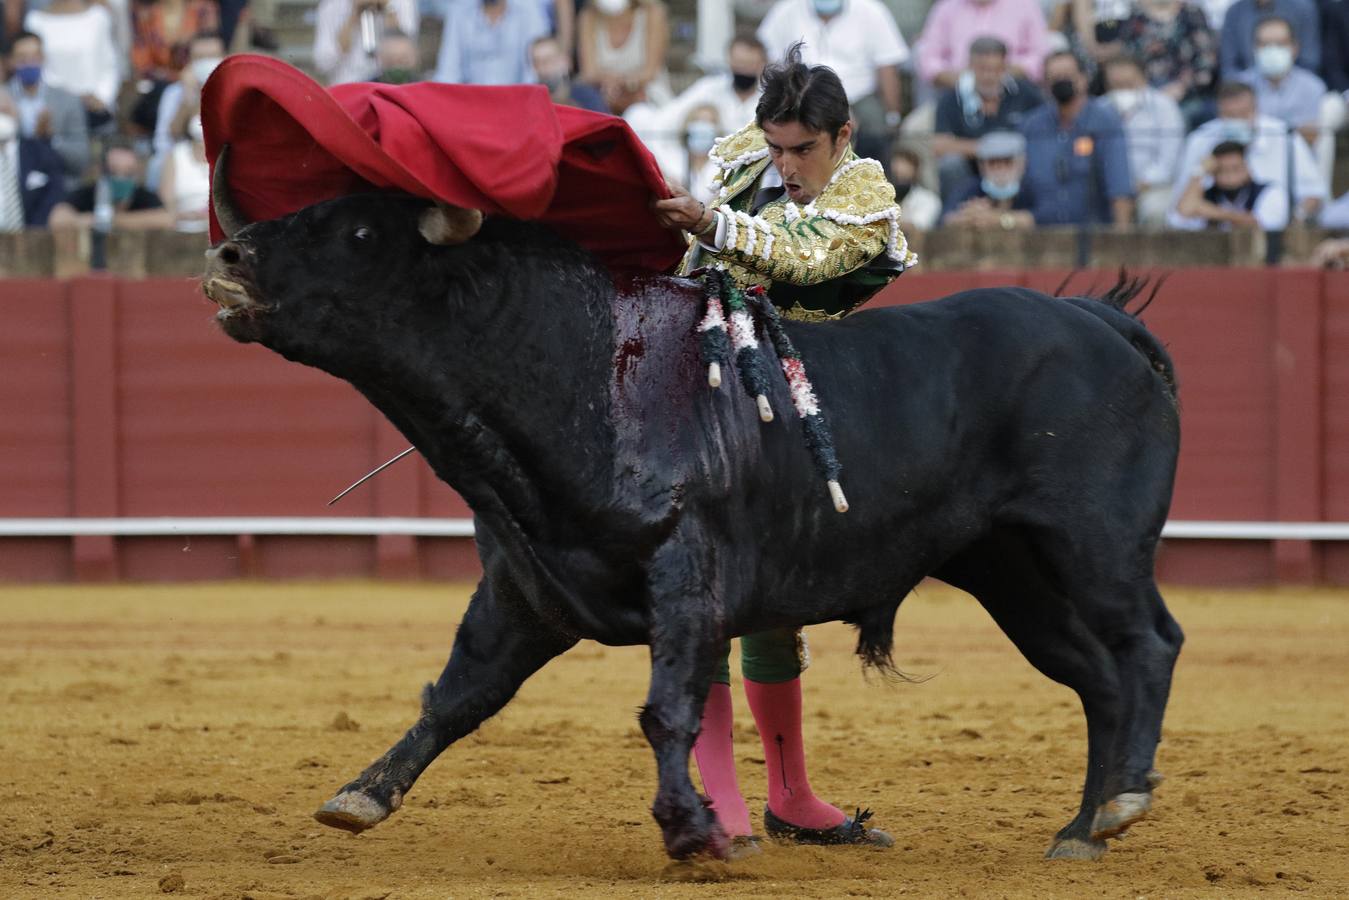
[{"x": 121, "y": 398}]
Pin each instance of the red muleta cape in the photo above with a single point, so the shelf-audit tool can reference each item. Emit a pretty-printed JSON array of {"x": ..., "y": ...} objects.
[{"x": 502, "y": 150}]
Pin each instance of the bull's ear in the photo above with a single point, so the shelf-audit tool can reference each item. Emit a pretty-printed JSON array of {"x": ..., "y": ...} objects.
[{"x": 445, "y": 224}]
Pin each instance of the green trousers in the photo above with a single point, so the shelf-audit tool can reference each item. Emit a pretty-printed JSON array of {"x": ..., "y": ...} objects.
[{"x": 768, "y": 657}]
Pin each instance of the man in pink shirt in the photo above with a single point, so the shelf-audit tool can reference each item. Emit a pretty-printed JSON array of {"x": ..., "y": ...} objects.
[{"x": 943, "y": 48}]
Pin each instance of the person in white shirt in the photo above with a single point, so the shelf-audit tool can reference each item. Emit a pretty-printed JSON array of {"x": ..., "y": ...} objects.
[
  {"x": 921, "y": 207},
  {"x": 860, "y": 41},
  {"x": 342, "y": 52},
  {"x": 1268, "y": 145},
  {"x": 734, "y": 94},
  {"x": 80, "y": 54},
  {"x": 185, "y": 186},
  {"x": 204, "y": 52},
  {"x": 1222, "y": 194},
  {"x": 1154, "y": 126}
]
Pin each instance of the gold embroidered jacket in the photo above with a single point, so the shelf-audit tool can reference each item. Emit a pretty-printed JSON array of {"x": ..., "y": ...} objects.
[{"x": 817, "y": 255}]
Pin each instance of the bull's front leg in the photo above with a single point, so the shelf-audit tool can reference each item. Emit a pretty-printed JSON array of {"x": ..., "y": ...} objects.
[
  {"x": 497, "y": 647},
  {"x": 685, "y": 639}
]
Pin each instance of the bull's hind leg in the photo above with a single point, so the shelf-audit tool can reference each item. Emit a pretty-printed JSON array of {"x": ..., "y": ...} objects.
[
  {"x": 496, "y": 648},
  {"x": 1146, "y": 655},
  {"x": 685, "y": 643},
  {"x": 1004, "y": 572}
]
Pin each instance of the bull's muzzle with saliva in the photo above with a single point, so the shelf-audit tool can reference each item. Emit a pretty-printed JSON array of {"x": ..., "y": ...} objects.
[{"x": 226, "y": 278}]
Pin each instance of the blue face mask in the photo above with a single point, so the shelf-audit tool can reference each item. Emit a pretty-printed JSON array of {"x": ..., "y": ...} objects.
[
  {"x": 28, "y": 75},
  {"x": 828, "y": 7},
  {"x": 995, "y": 191}
]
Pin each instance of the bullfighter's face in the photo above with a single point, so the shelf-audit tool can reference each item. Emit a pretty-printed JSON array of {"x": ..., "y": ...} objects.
[{"x": 805, "y": 158}]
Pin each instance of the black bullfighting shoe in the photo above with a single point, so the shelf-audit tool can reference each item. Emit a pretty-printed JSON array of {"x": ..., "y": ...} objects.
[{"x": 851, "y": 830}]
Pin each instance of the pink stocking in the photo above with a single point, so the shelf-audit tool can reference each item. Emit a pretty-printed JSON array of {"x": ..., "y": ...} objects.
[
  {"x": 777, "y": 713},
  {"x": 716, "y": 762}
]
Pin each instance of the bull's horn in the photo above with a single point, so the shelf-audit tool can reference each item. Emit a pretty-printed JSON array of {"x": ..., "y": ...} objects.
[
  {"x": 445, "y": 224},
  {"x": 230, "y": 219}
]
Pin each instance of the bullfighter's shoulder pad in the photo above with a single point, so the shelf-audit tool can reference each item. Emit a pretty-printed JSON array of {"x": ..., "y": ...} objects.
[
  {"x": 739, "y": 149},
  {"x": 859, "y": 187}
]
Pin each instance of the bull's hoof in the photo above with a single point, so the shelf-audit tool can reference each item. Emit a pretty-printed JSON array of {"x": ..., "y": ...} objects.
[
  {"x": 696, "y": 870},
  {"x": 1115, "y": 816},
  {"x": 1076, "y": 848},
  {"x": 352, "y": 811}
]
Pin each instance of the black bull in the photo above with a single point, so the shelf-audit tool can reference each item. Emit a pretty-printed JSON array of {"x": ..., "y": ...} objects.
[{"x": 1017, "y": 446}]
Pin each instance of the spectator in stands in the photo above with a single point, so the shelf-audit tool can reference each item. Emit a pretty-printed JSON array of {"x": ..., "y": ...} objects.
[
  {"x": 859, "y": 40},
  {"x": 1077, "y": 158},
  {"x": 1000, "y": 199},
  {"x": 1222, "y": 194},
  {"x": 80, "y": 55},
  {"x": 181, "y": 100},
  {"x": 943, "y": 49},
  {"x": 1092, "y": 28},
  {"x": 1177, "y": 50},
  {"x": 622, "y": 45},
  {"x": 734, "y": 94},
  {"x": 46, "y": 112},
  {"x": 921, "y": 208},
  {"x": 32, "y": 175},
  {"x": 488, "y": 43},
  {"x": 552, "y": 69},
  {"x": 701, "y": 129},
  {"x": 987, "y": 97},
  {"x": 398, "y": 59},
  {"x": 347, "y": 32},
  {"x": 185, "y": 187},
  {"x": 1290, "y": 93},
  {"x": 164, "y": 31},
  {"x": 133, "y": 207},
  {"x": 1238, "y": 32},
  {"x": 1155, "y": 130},
  {"x": 1268, "y": 142},
  {"x": 1332, "y": 254}
]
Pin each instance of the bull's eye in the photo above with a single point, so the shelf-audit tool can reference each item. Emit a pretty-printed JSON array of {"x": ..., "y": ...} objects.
[{"x": 361, "y": 234}]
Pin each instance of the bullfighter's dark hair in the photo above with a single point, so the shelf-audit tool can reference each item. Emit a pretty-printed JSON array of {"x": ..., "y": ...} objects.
[{"x": 796, "y": 92}]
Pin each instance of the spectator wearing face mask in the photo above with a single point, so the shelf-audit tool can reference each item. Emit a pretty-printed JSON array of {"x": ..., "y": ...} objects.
[
  {"x": 398, "y": 58},
  {"x": 1155, "y": 130},
  {"x": 1178, "y": 52},
  {"x": 920, "y": 207},
  {"x": 185, "y": 188},
  {"x": 1001, "y": 200},
  {"x": 133, "y": 207},
  {"x": 860, "y": 41},
  {"x": 1292, "y": 94},
  {"x": 46, "y": 112},
  {"x": 943, "y": 49},
  {"x": 1077, "y": 158},
  {"x": 1222, "y": 194},
  {"x": 733, "y": 94},
  {"x": 181, "y": 99},
  {"x": 987, "y": 97},
  {"x": 1268, "y": 145},
  {"x": 1237, "y": 39},
  {"x": 80, "y": 55},
  {"x": 701, "y": 131},
  {"x": 32, "y": 175},
  {"x": 552, "y": 69}
]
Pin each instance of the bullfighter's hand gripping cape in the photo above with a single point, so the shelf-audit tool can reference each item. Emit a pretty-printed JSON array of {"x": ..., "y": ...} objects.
[{"x": 501, "y": 150}]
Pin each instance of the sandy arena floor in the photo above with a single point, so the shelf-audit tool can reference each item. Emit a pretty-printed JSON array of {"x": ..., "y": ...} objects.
[{"x": 178, "y": 738}]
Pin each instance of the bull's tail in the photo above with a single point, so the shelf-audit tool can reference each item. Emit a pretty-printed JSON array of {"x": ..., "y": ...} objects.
[{"x": 1111, "y": 306}]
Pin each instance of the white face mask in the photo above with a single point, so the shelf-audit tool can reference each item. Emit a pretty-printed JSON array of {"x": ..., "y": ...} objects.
[
  {"x": 8, "y": 128},
  {"x": 1274, "y": 60},
  {"x": 611, "y": 7},
  {"x": 202, "y": 68},
  {"x": 1127, "y": 100}
]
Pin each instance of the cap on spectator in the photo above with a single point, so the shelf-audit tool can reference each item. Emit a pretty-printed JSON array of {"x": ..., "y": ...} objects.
[{"x": 1000, "y": 145}]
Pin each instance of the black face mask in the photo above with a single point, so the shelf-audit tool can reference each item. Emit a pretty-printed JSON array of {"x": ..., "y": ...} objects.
[
  {"x": 743, "y": 81},
  {"x": 1063, "y": 90},
  {"x": 902, "y": 189}
]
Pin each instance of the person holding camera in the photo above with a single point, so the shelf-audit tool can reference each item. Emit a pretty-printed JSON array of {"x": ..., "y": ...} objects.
[
  {"x": 1223, "y": 194},
  {"x": 347, "y": 33}
]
